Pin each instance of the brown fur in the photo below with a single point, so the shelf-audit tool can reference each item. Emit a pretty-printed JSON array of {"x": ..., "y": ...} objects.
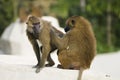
[
  {"x": 78, "y": 47},
  {"x": 43, "y": 35}
]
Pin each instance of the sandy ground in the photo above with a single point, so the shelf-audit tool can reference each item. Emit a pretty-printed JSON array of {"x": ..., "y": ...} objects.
[{"x": 14, "y": 67}]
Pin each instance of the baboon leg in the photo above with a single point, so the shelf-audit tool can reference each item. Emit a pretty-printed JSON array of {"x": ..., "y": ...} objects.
[
  {"x": 50, "y": 61},
  {"x": 45, "y": 54}
]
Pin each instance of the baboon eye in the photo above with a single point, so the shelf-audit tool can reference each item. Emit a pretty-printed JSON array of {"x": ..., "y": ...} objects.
[
  {"x": 36, "y": 23},
  {"x": 73, "y": 22}
]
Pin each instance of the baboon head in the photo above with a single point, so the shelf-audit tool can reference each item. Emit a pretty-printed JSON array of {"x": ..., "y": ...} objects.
[
  {"x": 70, "y": 23},
  {"x": 75, "y": 22},
  {"x": 33, "y": 24}
]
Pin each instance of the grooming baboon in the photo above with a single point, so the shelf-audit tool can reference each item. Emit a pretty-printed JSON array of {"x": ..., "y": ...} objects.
[
  {"x": 38, "y": 29},
  {"x": 77, "y": 48}
]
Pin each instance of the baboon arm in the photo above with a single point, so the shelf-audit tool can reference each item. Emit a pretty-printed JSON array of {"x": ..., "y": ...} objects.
[
  {"x": 59, "y": 42},
  {"x": 59, "y": 33},
  {"x": 34, "y": 45}
]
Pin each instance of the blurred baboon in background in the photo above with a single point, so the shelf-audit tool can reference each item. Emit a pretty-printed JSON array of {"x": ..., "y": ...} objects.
[
  {"x": 77, "y": 48},
  {"x": 14, "y": 34}
]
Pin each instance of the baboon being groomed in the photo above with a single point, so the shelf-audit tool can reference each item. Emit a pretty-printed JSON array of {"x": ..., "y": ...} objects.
[
  {"x": 77, "y": 48},
  {"x": 38, "y": 29}
]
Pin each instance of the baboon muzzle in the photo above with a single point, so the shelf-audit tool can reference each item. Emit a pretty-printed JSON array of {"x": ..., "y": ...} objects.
[
  {"x": 67, "y": 29},
  {"x": 36, "y": 28}
]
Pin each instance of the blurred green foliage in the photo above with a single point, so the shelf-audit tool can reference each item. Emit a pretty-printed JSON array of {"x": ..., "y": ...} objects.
[
  {"x": 95, "y": 11},
  {"x": 6, "y": 14}
]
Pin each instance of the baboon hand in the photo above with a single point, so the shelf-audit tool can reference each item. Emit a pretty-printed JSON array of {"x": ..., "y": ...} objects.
[{"x": 38, "y": 70}]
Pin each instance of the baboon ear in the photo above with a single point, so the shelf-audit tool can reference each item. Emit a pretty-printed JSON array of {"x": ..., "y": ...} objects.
[{"x": 72, "y": 22}]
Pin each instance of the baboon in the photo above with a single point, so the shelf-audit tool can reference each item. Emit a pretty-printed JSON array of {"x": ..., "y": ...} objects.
[
  {"x": 38, "y": 29},
  {"x": 77, "y": 48}
]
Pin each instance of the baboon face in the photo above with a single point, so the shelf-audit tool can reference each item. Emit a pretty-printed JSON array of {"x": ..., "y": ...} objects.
[
  {"x": 33, "y": 24},
  {"x": 72, "y": 22}
]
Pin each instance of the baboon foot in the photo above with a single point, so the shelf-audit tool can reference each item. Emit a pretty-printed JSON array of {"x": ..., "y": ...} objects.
[
  {"x": 49, "y": 64},
  {"x": 59, "y": 66},
  {"x": 38, "y": 70}
]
